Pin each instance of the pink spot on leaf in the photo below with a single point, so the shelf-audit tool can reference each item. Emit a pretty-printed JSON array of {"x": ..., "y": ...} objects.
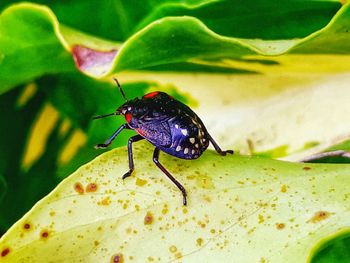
[{"x": 93, "y": 61}]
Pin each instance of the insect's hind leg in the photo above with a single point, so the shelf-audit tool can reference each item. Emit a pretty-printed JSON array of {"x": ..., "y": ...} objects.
[
  {"x": 131, "y": 160},
  {"x": 161, "y": 167},
  {"x": 217, "y": 147}
]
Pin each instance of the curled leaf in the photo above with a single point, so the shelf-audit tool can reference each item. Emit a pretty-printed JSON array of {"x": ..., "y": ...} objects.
[
  {"x": 93, "y": 61},
  {"x": 33, "y": 36}
]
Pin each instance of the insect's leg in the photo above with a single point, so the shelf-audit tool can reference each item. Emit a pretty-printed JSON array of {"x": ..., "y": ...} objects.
[
  {"x": 110, "y": 139},
  {"x": 161, "y": 167},
  {"x": 131, "y": 160},
  {"x": 217, "y": 147}
]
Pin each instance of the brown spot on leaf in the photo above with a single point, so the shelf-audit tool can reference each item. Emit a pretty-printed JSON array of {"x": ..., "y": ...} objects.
[
  {"x": 205, "y": 182},
  {"x": 165, "y": 209},
  {"x": 148, "y": 219},
  {"x": 117, "y": 258},
  {"x": 280, "y": 226},
  {"x": 78, "y": 187},
  {"x": 5, "y": 251},
  {"x": 199, "y": 241},
  {"x": 140, "y": 182},
  {"x": 44, "y": 234},
  {"x": 178, "y": 255},
  {"x": 105, "y": 201},
  {"x": 283, "y": 188},
  {"x": 207, "y": 198},
  {"x": 173, "y": 249},
  {"x": 306, "y": 168},
  {"x": 201, "y": 224},
  {"x": 319, "y": 216},
  {"x": 91, "y": 187},
  {"x": 26, "y": 226},
  {"x": 261, "y": 219}
]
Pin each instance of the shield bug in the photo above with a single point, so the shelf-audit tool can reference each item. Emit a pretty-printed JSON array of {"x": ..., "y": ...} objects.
[{"x": 168, "y": 124}]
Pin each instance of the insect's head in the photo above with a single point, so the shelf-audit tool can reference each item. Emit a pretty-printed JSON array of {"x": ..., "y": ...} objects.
[
  {"x": 125, "y": 109},
  {"x": 138, "y": 110},
  {"x": 128, "y": 109}
]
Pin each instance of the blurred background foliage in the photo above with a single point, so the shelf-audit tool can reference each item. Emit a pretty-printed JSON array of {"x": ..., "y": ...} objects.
[{"x": 47, "y": 132}]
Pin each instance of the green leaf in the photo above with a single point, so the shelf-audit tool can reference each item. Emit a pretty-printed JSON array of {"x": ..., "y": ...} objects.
[
  {"x": 176, "y": 39},
  {"x": 338, "y": 153},
  {"x": 336, "y": 250},
  {"x": 3, "y": 187},
  {"x": 106, "y": 21},
  {"x": 259, "y": 19},
  {"x": 24, "y": 187},
  {"x": 344, "y": 145},
  {"x": 202, "y": 44},
  {"x": 28, "y": 45},
  {"x": 236, "y": 204}
]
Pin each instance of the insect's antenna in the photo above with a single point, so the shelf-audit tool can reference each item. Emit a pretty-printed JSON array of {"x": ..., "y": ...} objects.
[
  {"x": 102, "y": 116},
  {"x": 120, "y": 88}
]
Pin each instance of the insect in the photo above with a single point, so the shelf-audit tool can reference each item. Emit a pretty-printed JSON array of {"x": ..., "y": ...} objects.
[{"x": 168, "y": 124}]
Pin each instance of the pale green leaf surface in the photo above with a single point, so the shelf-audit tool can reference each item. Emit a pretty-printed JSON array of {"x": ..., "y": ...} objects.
[
  {"x": 303, "y": 113},
  {"x": 243, "y": 208}
]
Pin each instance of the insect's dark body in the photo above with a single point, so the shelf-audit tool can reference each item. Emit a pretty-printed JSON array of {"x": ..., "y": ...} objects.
[{"x": 168, "y": 124}]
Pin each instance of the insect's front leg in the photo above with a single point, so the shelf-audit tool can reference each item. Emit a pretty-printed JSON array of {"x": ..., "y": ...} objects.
[
  {"x": 110, "y": 139},
  {"x": 217, "y": 147},
  {"x": 131, "y": 160}
]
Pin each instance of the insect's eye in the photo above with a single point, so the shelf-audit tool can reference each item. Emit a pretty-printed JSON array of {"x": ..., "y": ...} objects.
[{"x": 128, "y": 116}]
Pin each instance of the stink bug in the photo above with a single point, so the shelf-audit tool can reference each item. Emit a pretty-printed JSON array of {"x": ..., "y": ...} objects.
[{"x": 168, "y": 124}]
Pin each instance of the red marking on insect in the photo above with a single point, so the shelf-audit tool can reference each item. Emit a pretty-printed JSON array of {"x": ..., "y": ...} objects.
[
  {"x": 151, "y": 95},
  {"x": 139, "y": 131},
  {"x": 128, "y": 116}
]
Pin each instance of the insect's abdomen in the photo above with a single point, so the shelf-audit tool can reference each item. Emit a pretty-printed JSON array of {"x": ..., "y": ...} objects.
[
  {"x": 158, "y": 134},
  {"x": 189, "y": 137}
]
